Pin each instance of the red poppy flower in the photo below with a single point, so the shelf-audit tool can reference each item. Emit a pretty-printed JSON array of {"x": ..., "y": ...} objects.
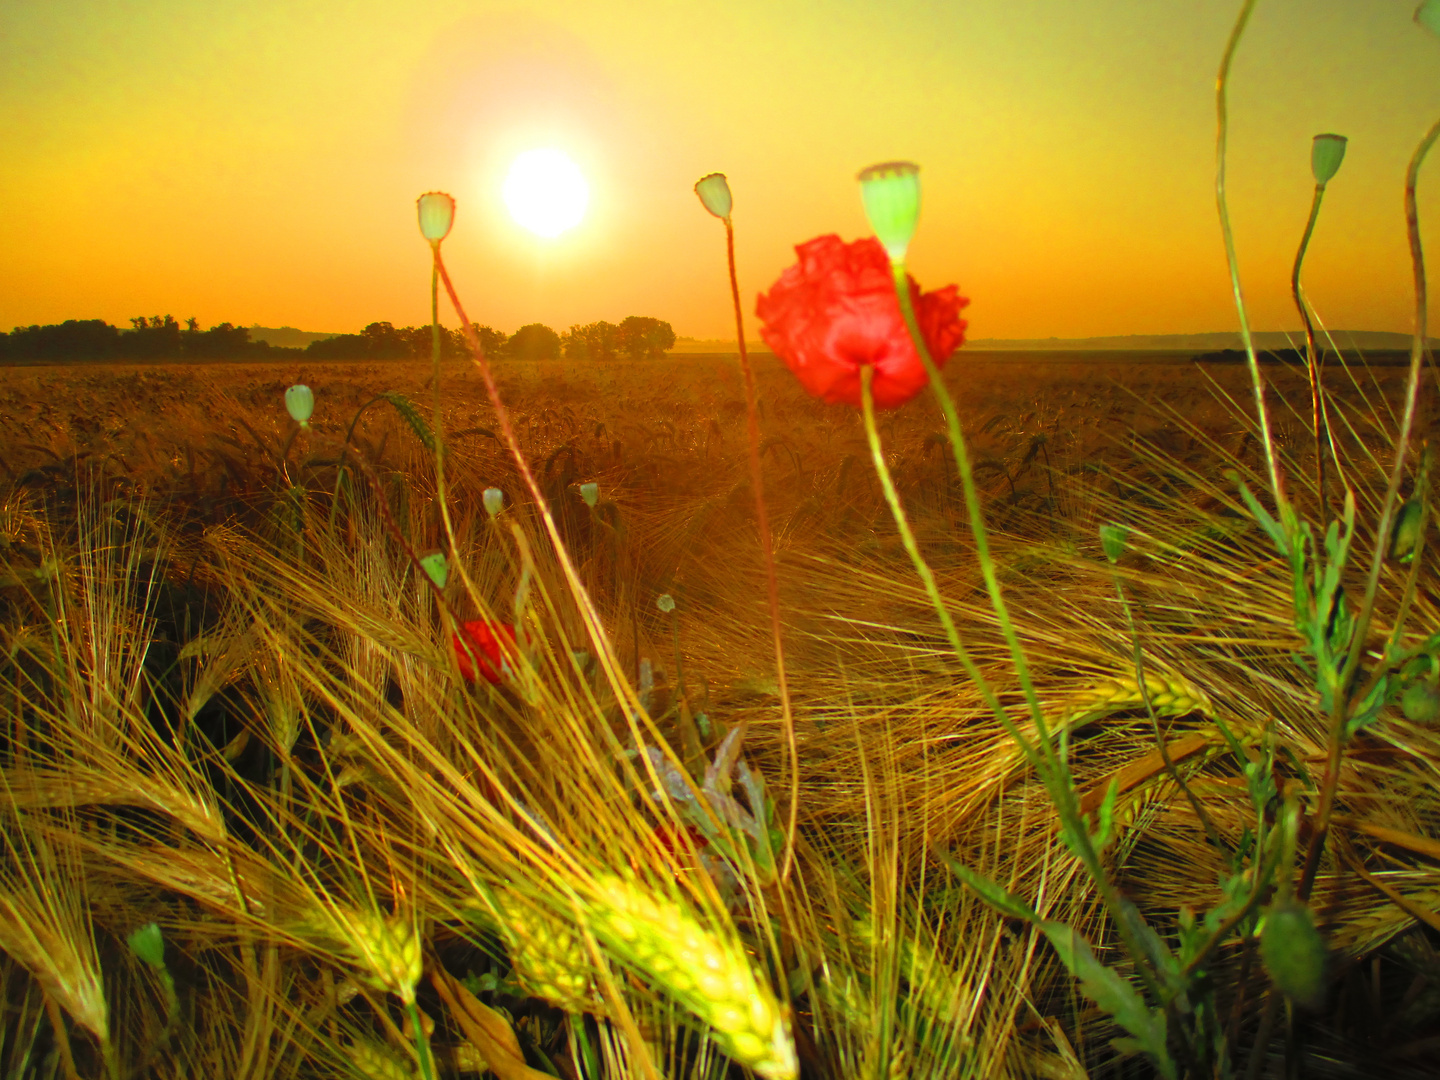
[
  {"x": 685, "y": 844},
  {"x": 484, "y": 643},
  {"x": 836, "y": 311}
]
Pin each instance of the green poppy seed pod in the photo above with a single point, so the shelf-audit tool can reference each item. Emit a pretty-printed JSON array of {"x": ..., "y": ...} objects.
[
  {"x": 1428, "y": 16},
  {"x": 148, "y": 944},
  {"x": 436, "y": 568},
  {"x": 1114, "y": 539},
  {"x": 714, "y": 192},
  {"x": 1294, "y": 953},
  {"x": 590, "y": 493},
  {"x": 300, "y": 403},
  {"x": 1406, "y": 534},
  {"x": 665, "y": 602},
  {"x": 891, "y": 192},
  {"x": 437, "y": 214},
  {"x": 494, "y": 499},
  {"x": 1420, "y": 703},
  {"x": 1326, "y": 154}
]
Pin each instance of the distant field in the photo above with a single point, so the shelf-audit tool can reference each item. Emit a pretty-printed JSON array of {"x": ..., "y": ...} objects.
[{"x": 632, "y": 421}]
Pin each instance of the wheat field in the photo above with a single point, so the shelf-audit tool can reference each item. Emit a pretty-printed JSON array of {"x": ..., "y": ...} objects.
[{"x": 257, "y": 823}]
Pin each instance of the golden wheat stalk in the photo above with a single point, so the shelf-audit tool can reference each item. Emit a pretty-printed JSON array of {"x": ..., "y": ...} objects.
[
  {"x": 1170, "y": 695},
  {"x": 61, "y": 957},
  {"x": 549, "y": 959},
  {"x": 387, "y": 950},
  {"x": 379, "y": 1062},
  {"x": 706, "y": 972}
]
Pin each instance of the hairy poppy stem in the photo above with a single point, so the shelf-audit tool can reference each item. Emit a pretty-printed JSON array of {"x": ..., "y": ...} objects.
[
  {"x": 1222, "y": 132},
  {"x": 1053, "y": 773},
  {"x": 435, "y": 356},
  {"x": 1319, "y": 419},
  {"x": 767, "y": 549},
  {"x": 973, "y": 507},
  {"x": 605, "y": 655},
  {"x": 1419, "y": 346}
]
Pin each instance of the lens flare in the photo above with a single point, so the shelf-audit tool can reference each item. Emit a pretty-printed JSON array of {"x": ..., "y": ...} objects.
[{"x": 546, "y": 192}]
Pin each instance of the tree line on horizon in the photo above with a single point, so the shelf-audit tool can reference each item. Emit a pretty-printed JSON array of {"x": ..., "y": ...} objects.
[{"x": 637, "y": 337}]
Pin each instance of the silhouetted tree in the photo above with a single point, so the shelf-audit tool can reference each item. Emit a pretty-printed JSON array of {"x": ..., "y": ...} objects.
[
  {"x": 223, "y": 341},
  {"x": 491, "y": 340},
  {"x": 593, "y": 341},
  {"x": 641, "y": 337},
  {"x": 151, "y": 339},
  {"x": 80, "y": 339},
  {"x": 534, "y": 342}
]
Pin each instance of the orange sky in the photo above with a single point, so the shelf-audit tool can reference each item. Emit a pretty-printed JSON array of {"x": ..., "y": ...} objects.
[{"x": 258, "y": 162}]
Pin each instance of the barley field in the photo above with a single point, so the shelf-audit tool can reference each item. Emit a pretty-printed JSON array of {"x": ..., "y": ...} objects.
[{"x": 258, "y": 822}]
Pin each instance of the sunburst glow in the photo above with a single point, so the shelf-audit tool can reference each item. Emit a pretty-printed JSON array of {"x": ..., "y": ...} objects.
[{"x": 546, "y": 192}]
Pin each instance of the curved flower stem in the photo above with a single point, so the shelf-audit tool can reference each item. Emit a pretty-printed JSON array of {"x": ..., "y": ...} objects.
[
  {"x": 1419, "y": 346},
  {"x": 1137, "y": 654},
  {"x": 435, "y": 357},
  {"x": 767, "y": 548},
  {"x": 1053, "y": 773},
  {"x": 976, "y": 512},
  {"x": 927, "y": 576},
  {"x": 1319, "y": 420},
  {"x": 1222, "y": 133},
  {"x": 594, "y": 626}
]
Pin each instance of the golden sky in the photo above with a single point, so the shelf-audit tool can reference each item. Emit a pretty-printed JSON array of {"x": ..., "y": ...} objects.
[{"x": 258, "y": 161}]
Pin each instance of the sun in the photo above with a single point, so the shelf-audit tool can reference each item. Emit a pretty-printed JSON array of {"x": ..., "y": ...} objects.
[{"x": 546, "y": 192}]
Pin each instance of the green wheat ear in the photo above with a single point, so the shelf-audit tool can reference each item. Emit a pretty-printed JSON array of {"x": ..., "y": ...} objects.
[{"x": 411, "y": 415}]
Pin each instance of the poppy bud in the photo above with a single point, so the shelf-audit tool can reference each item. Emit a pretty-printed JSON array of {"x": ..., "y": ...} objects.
[
  {"x": 1420, "y": 703},
  {"x": 1294, "y": 953},
  {"x": 437, "y": 213},
  {"x": 665, "y": 602},
  {"x": 1114, "y": 539},
  {"x": 1428, "y": 16},
  {"x": 494, "y": 499},
  {"x": 300, "y": 403},
  {"x": 891, "y": 192},
  {"x": 148, "y": 944},
  {"x": 1326, "y": 154},
  {"x": 436, "y": 568},
  {"x": 590, "y": 493},
  {"x": 714, "y": 192},
  {"x": 1406, "y": 534}
]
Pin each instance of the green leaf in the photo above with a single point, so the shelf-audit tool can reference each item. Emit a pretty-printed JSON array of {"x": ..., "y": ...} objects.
[
  {"x": 1100, "y": 839},
  {"x": 1114, "y": 994},
  {"x": 1158, "y": 953},
  {"x": 1263, "y": 518},
  {"x": 993, "y": 894}
]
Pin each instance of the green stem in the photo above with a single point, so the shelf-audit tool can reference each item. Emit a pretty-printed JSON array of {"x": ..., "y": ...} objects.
[
  {"x": 422, "y": 1043},
  {"x": 1138, "y": 659},
  {"x": 927, "y": 577},
  {"x": 976, "y": 512},
  {"x": 435, "y": 358},
  {"x": 1312, "y": 358},
  {"x": 1418, "y": 347},
  {"x": 1222, "y": 133},
  {"x": 1053, "y": 773}
]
